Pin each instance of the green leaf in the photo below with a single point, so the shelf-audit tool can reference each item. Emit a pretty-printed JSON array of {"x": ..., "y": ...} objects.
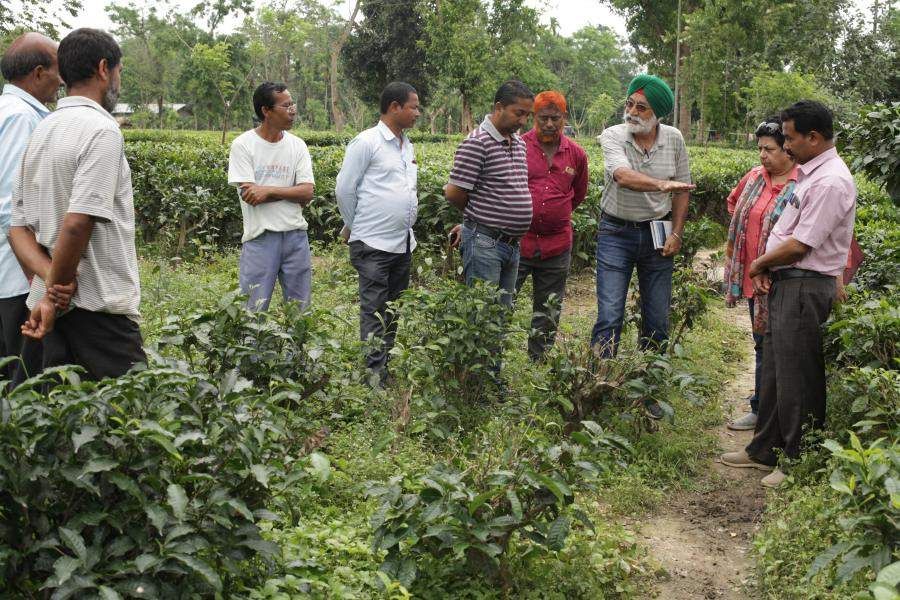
[
  {"x": 202, "y": 569},
  {"x": 177, "y": 500},
  {"x": 825, "y": 558},
  {"x": 883, "y": 591},
  {"x": 145, "y": 561},
  {"x": 86, "y": 434},
  {"x": 515, "y": 506},
  {"x": 261, "y": 474},
  {"x": 557, "y": 533},
  {"x": 263, "y": 547},
  {"x": 479, "y": 500},
  {"x": 158, "y": 516},
  {"x": 890, "y": 575},
  {"x": 98, "y": 465},
  {"x": 74, "y": 541},
  {"x": 851, "y": 565},
  {"x": 558, "y": 488},
  {"x": 126, "y": 484},
  {"x": 64, "y": 567},
  {"x": 320, "y": 466},
  {"x": 107, "y": 593}
]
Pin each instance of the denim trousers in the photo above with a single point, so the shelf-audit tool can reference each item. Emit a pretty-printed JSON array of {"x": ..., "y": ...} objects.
[
  {"x": 757, "y": 350},
  {"x": 276, "y": 255},
  {"x": 490, "y": 260},
  {"x": 621, "y": 248}
]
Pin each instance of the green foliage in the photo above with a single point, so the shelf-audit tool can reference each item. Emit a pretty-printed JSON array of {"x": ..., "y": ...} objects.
[
  {"x": 469, "y": 516},
  {"x": 864, "y": 331},
  {"x": 873, "y": 140},
  {"x": 772, "y": 91}
]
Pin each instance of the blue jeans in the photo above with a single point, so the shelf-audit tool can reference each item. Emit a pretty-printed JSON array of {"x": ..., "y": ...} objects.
[
  {"x": 758, "y": 350},
  {"x": 490, "y": 260},
  {"x": 281, "y": 255},
  {"x": 621, "y": 248}
]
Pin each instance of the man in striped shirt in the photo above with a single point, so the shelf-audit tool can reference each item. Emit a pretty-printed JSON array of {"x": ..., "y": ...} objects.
[
  {"x": 73, "y": 200},
  {"x": 489, "y": 184}
]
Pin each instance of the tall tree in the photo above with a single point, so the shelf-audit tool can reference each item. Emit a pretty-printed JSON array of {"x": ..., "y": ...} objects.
[
  {"x": 37, "y": 15},
  {"x": 388, "y": 45},
  {"x": 336, "y": 113}
]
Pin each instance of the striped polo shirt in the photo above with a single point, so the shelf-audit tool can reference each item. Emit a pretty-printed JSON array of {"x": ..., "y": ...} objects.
[
  {"x": 75, "y": 163},
  {"x": 494, "y": 171}
]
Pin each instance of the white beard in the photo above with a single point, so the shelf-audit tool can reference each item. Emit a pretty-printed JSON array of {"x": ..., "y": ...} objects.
[{"x": 639, "y": 126}]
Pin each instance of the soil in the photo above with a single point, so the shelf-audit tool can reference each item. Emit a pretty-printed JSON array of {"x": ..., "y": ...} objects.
[{"x": 700, "y": 539}]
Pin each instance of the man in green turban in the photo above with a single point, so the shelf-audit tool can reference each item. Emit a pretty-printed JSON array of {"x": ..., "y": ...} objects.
[{"x": 647, "y": 180}]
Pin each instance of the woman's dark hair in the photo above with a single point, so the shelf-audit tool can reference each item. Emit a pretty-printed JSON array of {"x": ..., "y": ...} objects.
[
  {"x": 264, "y": 96},
  {"x": 81, "y": 51},
  {"x": 511, "y": 91},
  {"x": 809, "y": 115},
  {"x": 395, "y": 91},
  {"x": 771, "y": 127}
]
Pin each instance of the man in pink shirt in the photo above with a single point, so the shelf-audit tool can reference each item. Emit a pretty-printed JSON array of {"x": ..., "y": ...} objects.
[{"x": 805, "y": 251}]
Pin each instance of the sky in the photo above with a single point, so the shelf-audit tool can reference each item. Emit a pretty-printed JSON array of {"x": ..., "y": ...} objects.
[{"x": 571, "y": 14}]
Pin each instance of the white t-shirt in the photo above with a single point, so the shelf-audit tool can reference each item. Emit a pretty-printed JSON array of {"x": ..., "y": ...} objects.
[{"x": 285, "y": 163}]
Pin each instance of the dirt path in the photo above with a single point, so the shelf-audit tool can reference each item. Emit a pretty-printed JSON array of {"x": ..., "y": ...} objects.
[{"x": 702, "y": 538}]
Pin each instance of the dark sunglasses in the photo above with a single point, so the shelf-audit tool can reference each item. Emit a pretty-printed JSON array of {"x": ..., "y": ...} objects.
[{"x": 769, "y": 126}]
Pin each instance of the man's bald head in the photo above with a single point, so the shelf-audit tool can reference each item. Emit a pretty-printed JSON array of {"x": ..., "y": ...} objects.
[{"x": 30, "y": 63}]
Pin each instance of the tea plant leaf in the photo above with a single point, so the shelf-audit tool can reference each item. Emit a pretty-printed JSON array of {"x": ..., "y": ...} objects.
[
  {"x": 177, "y": 500},
  {"x": 557, "y": 533},
  {"x": 74, "y": 541},
  {"x": 63, "y": 569},
  {"x": 84, "y": 435},
  {"x": 202, "y": 569}
]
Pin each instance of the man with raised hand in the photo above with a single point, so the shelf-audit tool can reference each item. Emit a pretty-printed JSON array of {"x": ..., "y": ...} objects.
[
  {"x": 272, "y": 169},
  {"x": 376, "y": 192},
  {"x": 558, "y": 180},
  {"x": 73, "y": 200},
  {"x": 805, "y": 254},
  {"x": 647, "y": 178},
  {"x": 30, "y": 67}
]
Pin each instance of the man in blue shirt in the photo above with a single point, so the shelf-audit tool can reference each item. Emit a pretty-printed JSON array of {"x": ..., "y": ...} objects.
[
  {"x": 30, "y": 67},
  {"x": 376, "y": 192}
]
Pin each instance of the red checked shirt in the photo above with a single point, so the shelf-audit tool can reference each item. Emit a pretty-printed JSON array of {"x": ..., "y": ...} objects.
[{"x": 555, "y": 192}]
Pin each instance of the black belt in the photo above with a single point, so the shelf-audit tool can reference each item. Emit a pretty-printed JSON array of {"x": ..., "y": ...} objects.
[
  {"x": 794, "y": 273},
  {"x": 491, "y": 232},
  {"x": 605, "y": 216}
]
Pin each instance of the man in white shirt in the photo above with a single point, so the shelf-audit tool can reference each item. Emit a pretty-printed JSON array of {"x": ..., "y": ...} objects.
[
  {"x": 377, "y": 197},
  {"x": 273, "y": 172},
  {"x": 30, "y": 67}
]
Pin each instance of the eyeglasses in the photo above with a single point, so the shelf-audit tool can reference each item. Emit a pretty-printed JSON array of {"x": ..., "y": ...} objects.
[
  {"x": 287, "y": 105},
  {"x": 769, "y": 127},
  {"x": 629, "y": 104}
]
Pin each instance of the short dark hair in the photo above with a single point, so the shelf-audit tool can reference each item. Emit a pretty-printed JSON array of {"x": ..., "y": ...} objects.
[
  {"x": 81, "y": 51},
  {"x": 771, "y": 127},
  {"x": 264, "y": 96},
  {"x": 511, "y": 91},
  {"x": 17, "y": 64},
  {"x": 395, "y": 91},
  {"x": 809, "y": 115}
]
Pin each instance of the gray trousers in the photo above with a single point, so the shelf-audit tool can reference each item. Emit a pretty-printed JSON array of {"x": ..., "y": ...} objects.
[
  {"x": 382, "y": 278},
  {"x": 548, "y": 277},
  {"x": 792, "y": 382},
  {"x": 13, "y": 313}
]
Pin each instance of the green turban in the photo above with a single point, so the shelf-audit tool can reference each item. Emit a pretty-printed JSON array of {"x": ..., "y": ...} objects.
[{"x": 656, "y": 90}]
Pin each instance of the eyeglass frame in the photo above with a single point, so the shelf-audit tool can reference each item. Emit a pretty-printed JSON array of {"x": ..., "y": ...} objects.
[{"x": 641, "y": 108}]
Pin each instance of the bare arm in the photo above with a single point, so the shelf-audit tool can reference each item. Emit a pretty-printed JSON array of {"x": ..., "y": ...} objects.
[
  {"x": 640, "y": 182},
  {"x": 787, "y": 253},
  {"x": 32, "y": 257},
  {"x": 679, "y": 216},
  {"x": 253, "y": 194},
  {"x": 456, "y": 196}
]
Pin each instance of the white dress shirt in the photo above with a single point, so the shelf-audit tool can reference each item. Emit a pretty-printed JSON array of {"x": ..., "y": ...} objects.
[{"x": 376, "y": 190}]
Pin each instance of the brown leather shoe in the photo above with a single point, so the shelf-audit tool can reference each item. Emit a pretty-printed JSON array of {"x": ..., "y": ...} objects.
[
  {"x": 773, "y": 479},
  {"x": 742, "y": 460}
]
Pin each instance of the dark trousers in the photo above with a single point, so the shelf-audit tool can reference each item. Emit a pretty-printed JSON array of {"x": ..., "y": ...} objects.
[
  {"x": 548, "y": 278},
  {"x": 792, "y": 383},
  {"x": 757, "y": 371},
  {"x": 382, "y": 278},
  {"x": 106, "y": 345},
  {"x": 13, "y": 313}
]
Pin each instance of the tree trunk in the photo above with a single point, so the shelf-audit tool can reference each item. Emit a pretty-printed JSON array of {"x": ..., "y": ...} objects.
[
  {"x": 159, "y": 110},
  {"x": 465, "y": 120},
  {"x": 685, "y": 102},
  {"x": 336, "y": 114}
]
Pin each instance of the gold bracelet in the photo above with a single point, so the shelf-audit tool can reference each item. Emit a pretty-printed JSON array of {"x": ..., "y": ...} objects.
[{"x": 681, "y": 239}]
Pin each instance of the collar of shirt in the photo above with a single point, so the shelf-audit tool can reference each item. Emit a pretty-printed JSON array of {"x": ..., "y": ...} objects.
[
  {"x": 659, "y": 142},
  {"x": 531, "y": 139},
  {"x": 488, "y": 126},
  {"x": 14, "y": 90},
  {"x": 70, "y": 101},
  {"x": 809, "y": 166},
  {"x": 792, "y": 175}
]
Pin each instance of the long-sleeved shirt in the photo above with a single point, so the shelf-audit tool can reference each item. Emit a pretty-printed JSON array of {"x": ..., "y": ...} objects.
[
  {"x": 376, "y": 190},
  {"x": 557, "y": 188},
  {"x": 20, "y": 113}
]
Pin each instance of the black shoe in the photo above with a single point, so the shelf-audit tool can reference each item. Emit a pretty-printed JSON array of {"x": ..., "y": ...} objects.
[{"x": 653, "y": 409}]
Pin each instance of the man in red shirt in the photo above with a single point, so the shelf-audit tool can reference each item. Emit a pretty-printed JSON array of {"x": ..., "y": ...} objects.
[{"x": 557, "y": 180}]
